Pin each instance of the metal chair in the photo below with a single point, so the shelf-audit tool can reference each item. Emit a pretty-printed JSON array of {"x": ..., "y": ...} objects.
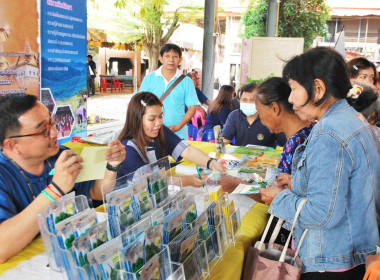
[
  {"x": 192, "y": 131},
  {"x": 208, "y": 135}
]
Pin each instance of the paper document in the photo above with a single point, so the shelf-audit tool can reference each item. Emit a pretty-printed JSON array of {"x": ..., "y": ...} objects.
[
  {"x": 94, "y": 162},
  {"x": 247, "y": 189}
]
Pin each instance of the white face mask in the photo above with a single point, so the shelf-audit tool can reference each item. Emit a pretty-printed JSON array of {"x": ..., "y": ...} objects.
[{"x": 249, "y": 109}]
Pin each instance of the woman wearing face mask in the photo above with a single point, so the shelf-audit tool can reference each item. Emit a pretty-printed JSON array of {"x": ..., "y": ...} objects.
[
  {"x": 244, "y": 124},
  {"x": 146, "y": 139}
]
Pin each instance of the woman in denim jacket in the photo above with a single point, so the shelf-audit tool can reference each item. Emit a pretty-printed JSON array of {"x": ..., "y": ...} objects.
[{"x": 337, "y": 169}]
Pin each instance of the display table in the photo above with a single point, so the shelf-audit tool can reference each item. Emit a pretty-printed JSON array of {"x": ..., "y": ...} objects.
[{"x": 229, "y": 268}]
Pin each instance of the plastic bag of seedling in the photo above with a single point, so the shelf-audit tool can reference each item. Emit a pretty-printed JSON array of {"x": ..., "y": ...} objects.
[
  {"x": 204, "y": 233},
  {"x": 163, "y": 183},
  {"x": 60, "y": 210},
  {"x": 121, "y": 212},
  {"x": 83, "y": 221},
  {"x": 81, "y": 247},
  {"x": 141, "y": 198},
  {"x": 133, "y": 255},
  {"x": 153, "y": 241},
  {"x": 154, "y": 187},
  {"x": 174, "y": 225},
  {"x": 152, "y": 270},
  {"x": 188, "y": 204},
  {"x": 110, "y": 259},
  {"x": 98, "y": 235},
  {"x": 65, "y": 234}
]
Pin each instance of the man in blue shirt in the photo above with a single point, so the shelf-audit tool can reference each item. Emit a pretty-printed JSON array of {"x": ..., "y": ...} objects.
[
  {"x": 183, "y": 94},
  {"x": 244, "y": 124},
  {"x": 29, "y": 151}
]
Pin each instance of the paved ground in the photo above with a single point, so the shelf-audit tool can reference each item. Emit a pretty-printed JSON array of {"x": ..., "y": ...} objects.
[{"x": 110, "y": 106}]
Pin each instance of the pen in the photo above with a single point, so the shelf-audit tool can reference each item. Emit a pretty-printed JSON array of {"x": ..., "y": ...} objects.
[
  {"x": 69, "y": 156},
  {"x": 199, "y": 174}
]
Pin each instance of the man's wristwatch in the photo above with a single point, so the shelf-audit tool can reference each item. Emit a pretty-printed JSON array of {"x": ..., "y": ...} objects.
[{"x": 113, "y": 168}]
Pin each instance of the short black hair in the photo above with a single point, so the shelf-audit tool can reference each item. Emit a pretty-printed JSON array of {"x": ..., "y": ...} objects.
[
  {"x": 248, "y": 88},
  {"x": 359, "y": 63},
  {"x": 12, "y": 106},
  {"x": 319, "y": 63},
  {"x": 274, "y": 89},
  {"x": 89, "y": 56},
  {"x": 168, "y": 47}
]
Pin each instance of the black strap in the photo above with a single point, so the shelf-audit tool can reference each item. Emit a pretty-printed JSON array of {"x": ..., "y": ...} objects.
[{"x": 180, "y": 78}]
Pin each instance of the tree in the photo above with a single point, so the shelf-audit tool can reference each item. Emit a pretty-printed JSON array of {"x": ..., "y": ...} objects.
[
  {"x": 150, "y": 25},
  {"x": 151, "y": 21},
  {"x": 297, "y": 18}
]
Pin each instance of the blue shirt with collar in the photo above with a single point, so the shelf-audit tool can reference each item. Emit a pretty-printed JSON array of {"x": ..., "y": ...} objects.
[
  {"x": 255, "y": 134},
  {"x": 174, "y": 146},
  {"x": 174, "y": 104},
  {"x": 15, "y": 195}
]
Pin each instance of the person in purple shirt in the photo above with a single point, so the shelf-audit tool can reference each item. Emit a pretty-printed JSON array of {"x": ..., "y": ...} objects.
[{"x": 220, "y": 108}]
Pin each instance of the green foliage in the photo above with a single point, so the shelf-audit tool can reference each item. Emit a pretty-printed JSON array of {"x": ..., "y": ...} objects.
[
  {"x": 259, "y": 81},
  {"x": 254, "y": 19},
  {"x": 297, "y": 18}
]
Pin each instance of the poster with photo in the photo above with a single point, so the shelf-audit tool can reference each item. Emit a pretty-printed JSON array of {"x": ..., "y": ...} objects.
[
  {"x": 19, "y": 48},
  {"x": 63, "y": 64}
]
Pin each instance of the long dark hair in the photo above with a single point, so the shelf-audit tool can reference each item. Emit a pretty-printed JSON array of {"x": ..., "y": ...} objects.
[
  {"x": 224, "y": 97},
  {"x": 133, "y": 128}
]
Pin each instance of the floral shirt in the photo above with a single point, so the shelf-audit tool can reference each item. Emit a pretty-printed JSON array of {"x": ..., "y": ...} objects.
[{"x": 285, "y": 165}]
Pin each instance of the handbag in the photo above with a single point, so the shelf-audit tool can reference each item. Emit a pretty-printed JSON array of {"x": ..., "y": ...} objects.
[
  {"x": 176, "y": 82},
  {"x": 270, "y": 261}
]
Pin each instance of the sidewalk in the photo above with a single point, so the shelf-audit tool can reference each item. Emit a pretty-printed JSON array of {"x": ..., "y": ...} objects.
[{"x": 111, "y": 106}]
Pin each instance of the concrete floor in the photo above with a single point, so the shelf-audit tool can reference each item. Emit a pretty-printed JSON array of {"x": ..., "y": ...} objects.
[{"x": 110, "y": 106}]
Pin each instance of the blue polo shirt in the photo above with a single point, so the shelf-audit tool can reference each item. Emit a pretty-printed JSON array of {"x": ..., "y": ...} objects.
[
  {"x": 217, "y": 118},
  {"x": 174, "y": 146},
  {"x": 14, "y": 192},
  {"x": 254, "y": 134},
  {"x": 174, "y": 104}
]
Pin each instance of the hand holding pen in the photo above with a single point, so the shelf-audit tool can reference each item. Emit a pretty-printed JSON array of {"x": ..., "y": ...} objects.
[{"x": 66, "y": 170}]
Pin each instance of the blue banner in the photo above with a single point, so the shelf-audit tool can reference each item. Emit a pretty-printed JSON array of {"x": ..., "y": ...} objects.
[{"x": 64, "y": 65}]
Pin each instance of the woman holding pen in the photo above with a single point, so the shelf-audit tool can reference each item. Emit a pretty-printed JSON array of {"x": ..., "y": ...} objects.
[{"x": 146, "y": 140}]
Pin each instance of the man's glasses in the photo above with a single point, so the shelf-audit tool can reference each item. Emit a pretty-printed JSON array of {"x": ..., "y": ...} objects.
[{"x": 45, "y": 133}]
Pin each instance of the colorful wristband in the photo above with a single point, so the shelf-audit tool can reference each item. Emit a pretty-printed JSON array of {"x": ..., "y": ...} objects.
[
  {"x": 48, "y": 196},
  {"x": 58, "y": 188},
  {"x": 51, "y": 189}
]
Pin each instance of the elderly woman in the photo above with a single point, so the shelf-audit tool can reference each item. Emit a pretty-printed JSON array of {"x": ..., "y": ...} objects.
[
  {"x": 336, "y": 169},
  {"x": 276, "y": 113}
]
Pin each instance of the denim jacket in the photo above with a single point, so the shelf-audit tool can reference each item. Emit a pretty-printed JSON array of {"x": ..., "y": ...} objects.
[{"x": 338, "y": 170}]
